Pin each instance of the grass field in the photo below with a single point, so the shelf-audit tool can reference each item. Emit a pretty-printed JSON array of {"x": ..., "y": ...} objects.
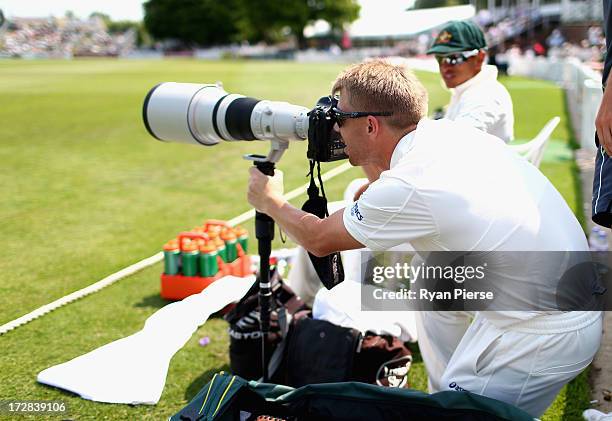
[{"x": 86, "y": 192}]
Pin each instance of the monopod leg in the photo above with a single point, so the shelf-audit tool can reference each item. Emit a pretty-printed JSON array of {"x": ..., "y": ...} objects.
[{"x": 264, "y": 232}]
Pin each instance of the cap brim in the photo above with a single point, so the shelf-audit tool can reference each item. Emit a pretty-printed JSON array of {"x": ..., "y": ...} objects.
[{"x": 444, "y": 49}]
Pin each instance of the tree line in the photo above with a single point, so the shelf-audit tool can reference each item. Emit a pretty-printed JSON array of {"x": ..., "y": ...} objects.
[
  {"x": 217, "y": 22},
  {"x": 194, "y": 23}
]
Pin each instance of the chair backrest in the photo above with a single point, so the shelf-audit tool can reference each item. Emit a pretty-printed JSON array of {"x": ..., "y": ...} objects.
[{"x": 533, "y": 150}]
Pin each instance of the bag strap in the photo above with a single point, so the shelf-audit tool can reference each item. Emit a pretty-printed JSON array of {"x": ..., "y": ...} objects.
[
  {"x": 284, "y": 319},
  {"x": 329, "y": 268}
]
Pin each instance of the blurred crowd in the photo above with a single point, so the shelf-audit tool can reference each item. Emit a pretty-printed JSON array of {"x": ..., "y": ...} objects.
[
  {"x": 521, "y": 33},
  {"x": 523, "y": 21},
  {"x": 509, "y": 35},
  {"x": 591, "y": 49},
  {"x": 62, "y": 38},
  {"x": 513, "y": 23}
]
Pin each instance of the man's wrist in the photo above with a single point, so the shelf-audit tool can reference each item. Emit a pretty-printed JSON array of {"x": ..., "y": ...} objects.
[{"x": 274, "y": 205}]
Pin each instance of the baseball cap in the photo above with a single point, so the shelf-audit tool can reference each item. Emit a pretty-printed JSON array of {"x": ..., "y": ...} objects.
[{"x": 457, "y": 36}]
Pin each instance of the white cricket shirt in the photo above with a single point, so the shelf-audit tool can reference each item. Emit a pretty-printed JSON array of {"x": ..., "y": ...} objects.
[
  {"x": 484, "y": 103},
  {"x": 451, "y": 187}
]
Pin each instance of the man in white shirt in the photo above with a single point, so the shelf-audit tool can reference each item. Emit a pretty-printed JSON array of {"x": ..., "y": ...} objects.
[
  {"x": 478, "y": 99},
  {"x": 438, "y": 193}
]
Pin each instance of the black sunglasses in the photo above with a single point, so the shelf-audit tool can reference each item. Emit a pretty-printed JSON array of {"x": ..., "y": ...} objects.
[
  {"x": 455, "y": 59},
  {"x": 342, "y": 116}
]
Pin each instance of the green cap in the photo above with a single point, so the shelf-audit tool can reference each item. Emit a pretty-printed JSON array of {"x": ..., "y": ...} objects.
[{"x": 457, "y": 36}]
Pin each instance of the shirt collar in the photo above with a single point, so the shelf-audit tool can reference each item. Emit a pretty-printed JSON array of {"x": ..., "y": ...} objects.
[
  {"x": 404, "y": 145},
  {"x": 487, "y": 73}
]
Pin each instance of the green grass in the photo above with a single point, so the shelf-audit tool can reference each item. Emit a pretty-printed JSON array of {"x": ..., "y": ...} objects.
[{"x": 86, "y": 191}]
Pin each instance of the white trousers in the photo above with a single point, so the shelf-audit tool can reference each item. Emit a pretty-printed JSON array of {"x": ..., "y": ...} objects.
[
  {"x": 303, "y": 278},
  {"x": 525, "y": 364}
]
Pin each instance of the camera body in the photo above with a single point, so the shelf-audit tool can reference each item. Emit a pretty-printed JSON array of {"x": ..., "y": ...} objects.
[
  {"x": 205, "y": 114},
  {"x": 324, "y": 142}
]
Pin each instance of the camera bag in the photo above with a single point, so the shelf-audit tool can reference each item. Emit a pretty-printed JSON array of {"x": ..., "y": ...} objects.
[
  {"x": 301, "y": 350},
  {"x": 245, "y": 334}
]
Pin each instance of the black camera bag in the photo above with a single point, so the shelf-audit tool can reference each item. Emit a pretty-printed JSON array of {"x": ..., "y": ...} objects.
[
  {"x": 301, "y": 350},
  {"x": 245, "y": 334}
]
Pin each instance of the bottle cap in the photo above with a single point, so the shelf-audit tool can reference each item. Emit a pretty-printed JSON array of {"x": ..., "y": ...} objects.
[
  {"x": 207, "y": 248},
  {"x": 228, "y": 235},
  {"x": 214, "y": 228},
  {"x": 190, "y": 245},
  {"x": 171, "y": 245},
  {"x": 240, "y": 231}
]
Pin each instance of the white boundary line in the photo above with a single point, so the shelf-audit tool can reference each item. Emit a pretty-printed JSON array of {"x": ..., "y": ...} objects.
[{"x": 149, "y": 261}]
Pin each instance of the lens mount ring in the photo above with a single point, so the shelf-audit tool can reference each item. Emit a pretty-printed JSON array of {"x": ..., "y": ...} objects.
[
  {"x": 200, "y": 114},
  {"x": 223, "y": 105}
]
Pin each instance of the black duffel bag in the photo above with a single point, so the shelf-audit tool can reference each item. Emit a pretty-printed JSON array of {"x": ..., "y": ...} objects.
[
  {"x": 301, "y": 350},
  {"x": 245, "y": 333}
]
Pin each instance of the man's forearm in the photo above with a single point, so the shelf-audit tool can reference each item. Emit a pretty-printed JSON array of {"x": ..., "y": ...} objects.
[
  {"x": 319, "y": 236},
  {"x": 302, "y": 227}
]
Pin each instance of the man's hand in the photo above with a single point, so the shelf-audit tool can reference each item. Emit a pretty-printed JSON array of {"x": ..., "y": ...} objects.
[
  {"x": 603, "y": 121},
  {"x": 264, "y": 190},
  {"x": 319, "y": 236}
]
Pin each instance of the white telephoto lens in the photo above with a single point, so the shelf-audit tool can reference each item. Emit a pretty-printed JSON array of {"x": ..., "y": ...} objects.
[
  {"x": 205, "y": 114},
  {"x": 182, "y": 112}
]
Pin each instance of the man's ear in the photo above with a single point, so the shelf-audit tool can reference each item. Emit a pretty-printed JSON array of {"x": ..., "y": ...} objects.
[
  {"x": 480, "y": 58},
  {"x": 373, "y": 125}
]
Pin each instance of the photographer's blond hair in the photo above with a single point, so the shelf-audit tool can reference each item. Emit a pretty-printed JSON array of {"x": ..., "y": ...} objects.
[{"x": 379, "y": 85}]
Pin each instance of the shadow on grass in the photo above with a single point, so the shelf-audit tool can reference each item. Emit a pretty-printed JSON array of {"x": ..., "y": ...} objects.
[
  {"x": 579, "y": 198},
  {"x": 154, "y": 301},
  {"x": 63, "y": 392},
  {"x": 201, "y": 381},
  {"x": 573, "y": 142},
  {"x": 416, "y": 352}
]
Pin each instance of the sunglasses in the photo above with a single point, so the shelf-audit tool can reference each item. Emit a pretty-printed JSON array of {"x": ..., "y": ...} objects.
[
  {"x": 456, "y": 59},
  {"x": 342, "y": 116}
]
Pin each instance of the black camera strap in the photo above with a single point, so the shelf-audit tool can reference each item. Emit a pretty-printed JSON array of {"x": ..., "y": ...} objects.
[{"x": 329, "y": 268}]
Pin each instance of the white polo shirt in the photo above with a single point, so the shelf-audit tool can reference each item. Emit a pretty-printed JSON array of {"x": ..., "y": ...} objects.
[
  {"x": 451, "y": 187},
  {"x": 484, "y": 103}
]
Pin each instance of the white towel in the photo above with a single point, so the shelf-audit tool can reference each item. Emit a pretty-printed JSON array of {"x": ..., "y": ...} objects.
[
  {"x": 133, "y": 370},
  {"x": 342, "y": 306}
]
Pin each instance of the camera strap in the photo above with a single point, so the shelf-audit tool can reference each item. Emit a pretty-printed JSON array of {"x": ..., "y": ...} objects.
[{"x": 329, "y": 268}]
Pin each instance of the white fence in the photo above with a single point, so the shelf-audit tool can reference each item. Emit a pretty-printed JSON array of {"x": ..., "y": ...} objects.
[{"x": 582, "y": 86}]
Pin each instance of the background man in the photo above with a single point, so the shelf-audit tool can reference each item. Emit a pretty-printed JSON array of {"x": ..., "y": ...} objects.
[
  {"x": 436, "y": 193},
  {"x": 478, "y": 99},
  {"x": 602, "y": 180}
]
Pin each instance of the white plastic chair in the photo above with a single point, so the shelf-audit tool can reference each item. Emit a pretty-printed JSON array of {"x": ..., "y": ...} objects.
[{"x": 533, "y": 150}]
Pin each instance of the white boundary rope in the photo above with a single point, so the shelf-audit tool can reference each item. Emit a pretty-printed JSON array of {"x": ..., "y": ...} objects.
[{"x": 149, "y": 261}]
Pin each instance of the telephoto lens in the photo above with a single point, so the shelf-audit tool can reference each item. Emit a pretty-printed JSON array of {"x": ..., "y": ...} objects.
[{"x": 204, "y": 114}]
